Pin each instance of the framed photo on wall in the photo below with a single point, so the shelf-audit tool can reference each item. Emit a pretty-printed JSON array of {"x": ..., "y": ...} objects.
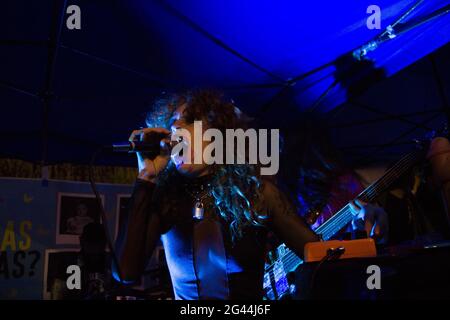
[
  {"x": 55, "y": 276},
  {"x": 74, "y": 212}
]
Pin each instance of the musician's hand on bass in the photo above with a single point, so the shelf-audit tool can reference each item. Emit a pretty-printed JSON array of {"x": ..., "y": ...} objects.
[
  {"x": 371, "y": 218},
  {"x": 149, "y": 169}
]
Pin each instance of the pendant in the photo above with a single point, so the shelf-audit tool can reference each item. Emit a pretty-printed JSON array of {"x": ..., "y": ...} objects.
[{"x": 198, "y": 210}]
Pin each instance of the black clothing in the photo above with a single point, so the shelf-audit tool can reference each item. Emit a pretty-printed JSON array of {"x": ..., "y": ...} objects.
[{"x": 203, "y": 261}]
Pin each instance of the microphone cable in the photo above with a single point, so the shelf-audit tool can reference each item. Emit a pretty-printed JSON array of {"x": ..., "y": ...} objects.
[
  {"x": 103, "y": 213},
  {"x": 332, "y": 253}
]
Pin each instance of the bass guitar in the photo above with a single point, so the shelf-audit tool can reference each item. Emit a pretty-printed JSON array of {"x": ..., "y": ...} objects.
[{"x": 276, "y": 284}]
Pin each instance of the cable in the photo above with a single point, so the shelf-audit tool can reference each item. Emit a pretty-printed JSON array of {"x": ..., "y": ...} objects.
[
  {"x": 332, "y": 253},
  {"x": 102, "y": 211}
]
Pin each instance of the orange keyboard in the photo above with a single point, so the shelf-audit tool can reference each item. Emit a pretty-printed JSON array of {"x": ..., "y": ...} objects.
[{"x": 361, "y": 248}]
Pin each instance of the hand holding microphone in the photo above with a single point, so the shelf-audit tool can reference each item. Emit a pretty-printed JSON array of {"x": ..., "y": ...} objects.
[{"x": 151, "y": 164}]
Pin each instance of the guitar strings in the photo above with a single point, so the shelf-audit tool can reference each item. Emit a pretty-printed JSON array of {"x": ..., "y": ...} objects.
[{"x": 369, "y": 192}]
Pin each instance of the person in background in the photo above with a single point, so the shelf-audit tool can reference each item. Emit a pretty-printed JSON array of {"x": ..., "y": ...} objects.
[
  {"x": 320, "y": 184},
  {"x": 92, "y": 260}
]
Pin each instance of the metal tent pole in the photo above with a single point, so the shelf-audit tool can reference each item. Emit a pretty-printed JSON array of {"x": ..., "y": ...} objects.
[{"x": 47, "y": 94}]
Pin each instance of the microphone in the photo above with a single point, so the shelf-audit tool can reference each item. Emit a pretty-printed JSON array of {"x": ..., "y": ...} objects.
[
  {"x": 150, "y": 146},
  {"x": 136, "y": 146}
]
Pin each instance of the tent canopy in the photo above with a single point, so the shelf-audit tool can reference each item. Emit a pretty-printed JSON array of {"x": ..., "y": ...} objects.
[{"x": 64, "y": 92}]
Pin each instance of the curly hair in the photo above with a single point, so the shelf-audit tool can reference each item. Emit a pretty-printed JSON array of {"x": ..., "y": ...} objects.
[
  {"x": 310, "y": 163},
  {"x": 234, "y": 187}
]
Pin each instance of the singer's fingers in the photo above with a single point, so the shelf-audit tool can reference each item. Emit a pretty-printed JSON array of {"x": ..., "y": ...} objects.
[
  {"x": 147, "y": 131},
  {"x": 141, "y": 132},
  {"x": 157, "y": 130},
  {"x": 165, "y": 144},
  {"x": 133, "y": 135}
]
